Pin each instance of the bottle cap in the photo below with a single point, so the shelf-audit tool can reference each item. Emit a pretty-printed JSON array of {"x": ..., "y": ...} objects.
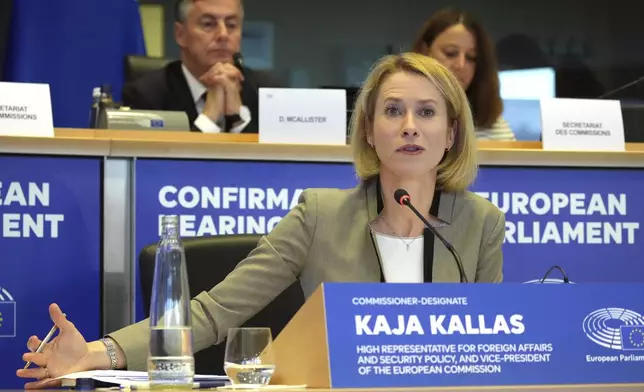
[
  {"x": 169, "y": 219},
  {"x": 84, "y": 384}
]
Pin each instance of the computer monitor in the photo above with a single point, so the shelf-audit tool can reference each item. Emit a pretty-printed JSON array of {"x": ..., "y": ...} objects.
[
  {"x": 532, "y": 83},
  {"x": 521, "y": 90},
  {"x": 145, "y": 120}
]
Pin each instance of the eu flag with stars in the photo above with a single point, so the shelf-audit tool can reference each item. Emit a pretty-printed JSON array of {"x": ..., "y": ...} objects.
[
  {"x": 7, "y": 319},
  {"x": 632, "y": 337},
  {"x": 74, "y": 46}
]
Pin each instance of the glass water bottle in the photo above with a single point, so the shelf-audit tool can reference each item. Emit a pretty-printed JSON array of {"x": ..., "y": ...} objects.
[{"x": 171, "y": 359}]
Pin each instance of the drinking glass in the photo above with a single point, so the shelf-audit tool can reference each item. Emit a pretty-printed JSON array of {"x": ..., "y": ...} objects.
[{"x": 249, "y": 357}]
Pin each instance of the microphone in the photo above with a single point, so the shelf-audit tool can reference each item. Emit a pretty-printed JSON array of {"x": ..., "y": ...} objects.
[
  {"x": 238, "y": 61},
  {"x": 624, "y": 87},
  {"x": 556, "y": 267},
  {"x": 402, "y": 197}
]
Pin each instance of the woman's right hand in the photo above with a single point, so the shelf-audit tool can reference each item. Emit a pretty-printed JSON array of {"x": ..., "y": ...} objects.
[{"x": 67, "y": 353}]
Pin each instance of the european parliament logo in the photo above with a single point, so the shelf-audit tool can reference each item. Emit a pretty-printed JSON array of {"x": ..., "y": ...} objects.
[
  {"x": 7, "y": 315},
  {"x": 615, "y": 328}
]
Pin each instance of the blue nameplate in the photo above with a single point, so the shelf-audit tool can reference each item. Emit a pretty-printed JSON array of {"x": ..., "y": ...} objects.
[{"x": 415, "y": 335}]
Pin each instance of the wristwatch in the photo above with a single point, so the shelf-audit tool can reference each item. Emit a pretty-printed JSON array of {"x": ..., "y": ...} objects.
[{"x": 233, "y": 120}]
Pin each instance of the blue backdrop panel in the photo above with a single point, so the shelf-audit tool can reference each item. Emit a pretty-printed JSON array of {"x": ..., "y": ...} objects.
[
  {"x": 73, "y": 46},
  {"x": 586, "y": 220},
  {"x": 50, "y": 233},
  {"x": 223, "y": 197}
]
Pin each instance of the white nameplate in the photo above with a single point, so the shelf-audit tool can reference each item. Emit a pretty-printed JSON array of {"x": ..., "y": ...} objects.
[
  {"x": 302, "y": 116},
  {"x": 582, "y": 124},
  {"x": 25, "y": 110}
]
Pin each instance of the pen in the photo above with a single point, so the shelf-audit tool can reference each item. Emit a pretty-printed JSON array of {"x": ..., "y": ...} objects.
[
  {"x": 196, "y": 385},
  {"x": 42, "y": 344},
  {"x": 209, "y": 384}
]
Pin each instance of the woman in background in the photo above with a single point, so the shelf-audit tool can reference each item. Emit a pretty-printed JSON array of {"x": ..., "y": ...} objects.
[{"x": 461, "y": 44}]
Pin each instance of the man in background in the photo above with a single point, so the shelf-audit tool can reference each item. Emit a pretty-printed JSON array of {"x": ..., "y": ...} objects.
[{"x": 217, "y": 93}]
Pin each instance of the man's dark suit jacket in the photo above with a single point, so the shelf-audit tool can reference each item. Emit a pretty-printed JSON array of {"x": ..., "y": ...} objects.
[{"x": 167, "y": 89}]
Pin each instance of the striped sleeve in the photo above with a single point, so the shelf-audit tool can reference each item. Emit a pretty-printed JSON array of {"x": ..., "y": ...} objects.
[{"x": 500, "y": 131}]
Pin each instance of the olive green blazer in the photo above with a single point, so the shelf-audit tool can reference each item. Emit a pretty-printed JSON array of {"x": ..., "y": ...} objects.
[{"x": 327, "y": 238}]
